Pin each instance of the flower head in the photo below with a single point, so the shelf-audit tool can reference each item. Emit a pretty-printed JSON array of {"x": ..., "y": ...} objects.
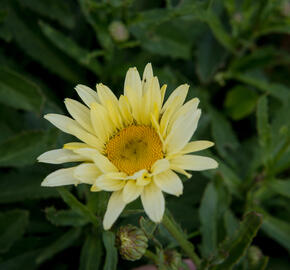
[{"x": 132, "y": 146}]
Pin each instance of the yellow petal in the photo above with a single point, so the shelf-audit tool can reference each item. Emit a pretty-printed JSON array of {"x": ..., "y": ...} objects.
[
  {"x": 104, "y": 164},
  {"x": 80, "y": 113},
  {"x": 70, "y": 126},
  {"x": 87, "y": 173},
  {"x": 181, "y": 131},
  {"x": 87, "y": 94},
  {"x": 196, "y": 146},
  {"x": 153, "y": 202},
  {"x": 131, "y": 191},
  {"x": 61, "y": 177},
  {"x": 160, "y": 166},
  {"x": 105, "y": 94},
  {"x": 114, "y": 209},
  {"x": 125, "y": 110},
  {"x": 194, "y": 163},
  {"x": 147, "y": 74},
  {"x": 59, "y": 156},
  {"x": 74, "y": 145},
  {"x": 105, "y": 182},
  {"x": 169, "y": 182}
]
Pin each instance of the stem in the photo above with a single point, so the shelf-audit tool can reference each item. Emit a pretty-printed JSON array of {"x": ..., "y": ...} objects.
[
  {"x": 150, "y": 255},
  {"x": 181, "y": 239}
]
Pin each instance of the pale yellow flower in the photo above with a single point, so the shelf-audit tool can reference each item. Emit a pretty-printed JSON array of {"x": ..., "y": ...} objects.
[{"x": 132, "y": 146}]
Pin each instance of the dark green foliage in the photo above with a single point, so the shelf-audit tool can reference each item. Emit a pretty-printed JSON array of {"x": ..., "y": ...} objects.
[{"x": 235, "y": 56}]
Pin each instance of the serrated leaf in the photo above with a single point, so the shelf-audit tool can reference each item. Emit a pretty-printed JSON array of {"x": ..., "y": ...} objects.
[
  {"x": 65, "y": 217},
  {"x": 63, "y": 242},
  {"x": 77, "y": 206},
  {"x": 69, "y": 47},
  {"x": 236, "y": 246},
  {"x": 29, "y": 181},
  {"x": 18, "y": 92},
  {"x": 240, "y": 102},
  {"x": 23, "y": 149},
  {"x": 12, "y": 226},
  {"x": 111, "y": 258},
  {"x": 91, "y": 253}
]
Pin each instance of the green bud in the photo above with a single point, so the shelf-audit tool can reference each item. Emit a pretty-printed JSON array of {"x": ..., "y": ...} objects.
[
  {"x": 172, "y": 259},
  {"x": 254, "y": 255},
  {"x": 118, "y": 31},
  {"x": 131, "y": 242}
]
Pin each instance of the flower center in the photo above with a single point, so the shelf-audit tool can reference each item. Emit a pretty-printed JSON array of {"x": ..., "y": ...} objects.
[{"x": 134, "y": 148}]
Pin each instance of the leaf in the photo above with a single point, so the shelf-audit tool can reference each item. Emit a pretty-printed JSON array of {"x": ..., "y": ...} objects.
[
  {"x": 263, "y": 125},
  {"x": 147, "y": 226},
  {"x": 111, "y": 259},
  {"x": 65, "y": 241},
  {"x": 23, "y": 185},
  {"x": 23, "y": 149},
  {"x": 30, "y": 40},
  {"x": 12, "y": 226},
  {"x": 236, "y": 246},
  {"x": 91, "y": 253},
  {"x": 224, "y": 136},
  {"x": 240, "y": 102},
  {"x": 77, "y": 206},
  {"x": 282, "y": 187},
  {"x": 231, "y": 223},
  {"x": 210, "y": 56},
  {"x": 69, "y": 47},
  {"x": 65, "y": 217},
  {"x": 56, "y": 10},
  {"x": 277, "y": 229},
  {"x": 18, "y": 92}
]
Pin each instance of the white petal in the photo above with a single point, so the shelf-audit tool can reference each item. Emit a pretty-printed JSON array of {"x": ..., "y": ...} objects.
[
  {"x": 131, "y": 191},
  {"x": 60, "y": 177},
  {"x": 89, "y": 153},
  {"x": 108, "y": 183},
  {"x": 59, "y": 156},
  {"x": 70, "y": 126},
  {"x": 87, "y": 173},
  {"x": 181, "y": 132},
  {"x": 114, "y": 209},
  {"x": 160, "y": 166},
  {"x": 87, "y": 94},
  {"x": 104, "y": 164},
  {"x": 147, "y": 74},
  {"x": 169, "y": 182},
  {"x": 194, "y": 163},
  {"x": 196, "y": 146},
  {"x": 75, "y": 145},
  {"x": 80, "y": 113},
  {"x": 153, "y": 202},
  {"x": 105, "y": 94}
]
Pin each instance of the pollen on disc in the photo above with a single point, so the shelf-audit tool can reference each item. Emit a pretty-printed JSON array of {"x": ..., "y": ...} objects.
[{"x": 134, "y": 148}]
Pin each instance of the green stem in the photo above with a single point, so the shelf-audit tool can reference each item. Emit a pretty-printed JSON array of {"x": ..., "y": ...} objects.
[
  {"x": 150, "y": 255},
  {"x": 181, "y": 239}
]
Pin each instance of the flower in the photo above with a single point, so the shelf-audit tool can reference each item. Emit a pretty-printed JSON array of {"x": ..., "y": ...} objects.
[{"x": 132, "y": 146}]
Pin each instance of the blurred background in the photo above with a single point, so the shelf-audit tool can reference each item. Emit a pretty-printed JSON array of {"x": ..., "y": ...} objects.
[{"x": 234, "y": 54}]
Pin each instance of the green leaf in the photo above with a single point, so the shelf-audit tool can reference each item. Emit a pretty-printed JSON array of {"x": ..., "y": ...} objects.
[
  {"x": 18, "y": 92},
  {"x": 147, "y": 226},
  {"x": 65, "y": 241},
  {"x": 53, "y": 9},
  {"x": 65, "y": 217},
  {"x": 236, "y": 246},
  {"x": 210, "y": 56},
  {"x": 69, "y": 47},
  {"x": 231, "y": 223},
  {"x": 263, "y": 126},
  {"x": 282, "y": 187},
  {"x": 277, "y": 229},
  {"x": 12, "y": 226},
  {"x": 218, "y": 30},
  {"x": 240, "y": 102},
  {"x": 91, "y": 253},
  {"x": 29, "y": 181},
  {"x": 77, "y": 206},
  {"x": 111, "y": 259},
  {"x": 24, "y": 148}
]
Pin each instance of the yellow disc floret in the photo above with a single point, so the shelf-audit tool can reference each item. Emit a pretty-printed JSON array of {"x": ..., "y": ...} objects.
[{"x": 134, "y": 148}]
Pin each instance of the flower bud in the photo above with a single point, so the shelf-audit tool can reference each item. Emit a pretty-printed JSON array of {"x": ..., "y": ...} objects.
[
  {"x": 254, "y": 255},
  {"x": 118, "y": 31},
  {"x": 172, "y": 259},
  {"x": 131, "y": 242}
]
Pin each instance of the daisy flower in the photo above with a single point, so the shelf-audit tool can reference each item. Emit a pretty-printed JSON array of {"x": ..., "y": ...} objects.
[{"x": 133, "y": 146}]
